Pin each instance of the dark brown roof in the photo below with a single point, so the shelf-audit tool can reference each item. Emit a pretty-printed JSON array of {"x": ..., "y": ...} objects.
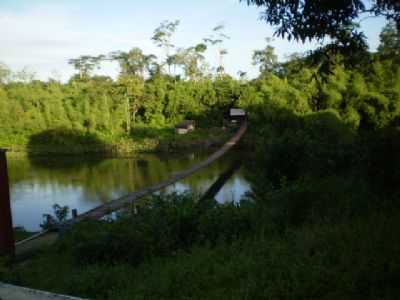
[{"x": 185, "y": 124}]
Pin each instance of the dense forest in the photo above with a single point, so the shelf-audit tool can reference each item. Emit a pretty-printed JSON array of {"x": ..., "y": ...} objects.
[
  {"x": 153, "y": 95},
  {"x": 322, "y": 220},
  {"x": 149, "y": 93}
]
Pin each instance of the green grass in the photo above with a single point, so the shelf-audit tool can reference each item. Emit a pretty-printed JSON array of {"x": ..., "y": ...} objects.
[
  {"x": 142, "y": 139},
  {"x": 178, "y": 248},
  {"x": 356, "y": 259}
]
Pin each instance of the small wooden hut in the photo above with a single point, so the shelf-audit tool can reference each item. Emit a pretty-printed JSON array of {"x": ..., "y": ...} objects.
[
  {"x": 185, "y": 127},
  {"x": 237, "y": 115}
]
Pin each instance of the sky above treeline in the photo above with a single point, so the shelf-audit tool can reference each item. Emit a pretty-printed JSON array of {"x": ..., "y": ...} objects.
[{"x": 43, "y": 34}]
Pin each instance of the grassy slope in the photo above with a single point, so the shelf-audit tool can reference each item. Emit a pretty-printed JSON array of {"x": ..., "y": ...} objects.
[
  {"x": 234, "y": 252},
  {"x": 143, "y": 139}
]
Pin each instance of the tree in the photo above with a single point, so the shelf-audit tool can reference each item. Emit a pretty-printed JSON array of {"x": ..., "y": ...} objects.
[
  {"x": 85, "y": 64},
  {"x": 154, "y": 99},
  {"x": 221, "y": 68},
  {"x": 191, "y": 60},
  {"x": 131, "y": 88},
  {"x": 4, "y": 73},
  {"x": 217, "y": 38},
  {"x": 134, "y": 62},
  {"x": 162, "y": 37},
  {"x": 266, "y": 59},
  {"x": 242, "y": 76},
  {"x": 25, "y": 75},
  {"x": 390, "y": 9},
  {"x": 389, "y": 42},
  {"x": 303, "y": 20},
  {"x": 316, "y": 19}
]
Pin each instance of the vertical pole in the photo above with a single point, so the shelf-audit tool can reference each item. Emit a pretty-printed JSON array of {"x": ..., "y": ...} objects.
[
  {"x": 74, "y": 213},
  {"x": 7, "y": 243}
]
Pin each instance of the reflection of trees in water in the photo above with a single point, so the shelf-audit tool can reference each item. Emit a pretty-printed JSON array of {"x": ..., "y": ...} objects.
[{"x": 103, "y": 179}]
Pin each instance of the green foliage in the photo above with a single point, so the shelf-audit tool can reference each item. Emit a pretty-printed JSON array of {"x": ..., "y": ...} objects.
[
  {"x": 4, "y": 73},
  {"x": 307, "y": 20},
  {"x": 389, "y": 47},
  {"x": 313, "y": 238},
  {"x": 321, "y": 222},
  {"x": 364, "y": 97},
  {"x": 97, "y": 114},
  {"x": 266, "y": 59},
  {"x": 60, "y": 216},
  {"x": 85, "y": 64},
  {"x": 159, "y": 228}
]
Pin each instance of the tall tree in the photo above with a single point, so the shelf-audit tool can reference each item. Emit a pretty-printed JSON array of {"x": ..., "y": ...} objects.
[
  {"x": 131, "y": 88},
  {"x": 390, "y": 42},
  {"x": 25, "y": 75},
  {"x": 85, "y": 64},
  {"x": 134, "y": 62},
  {"x": 192, "y": 59},
  {"x": 162, "y": 37},
  {"x": 266, "y": 59},
  {"x": 4, "y": 73},
  {"x": 218, "y": 37}
]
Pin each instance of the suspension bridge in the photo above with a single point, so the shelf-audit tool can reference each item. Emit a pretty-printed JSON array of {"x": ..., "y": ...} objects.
[{"x": 49, "y": 236}]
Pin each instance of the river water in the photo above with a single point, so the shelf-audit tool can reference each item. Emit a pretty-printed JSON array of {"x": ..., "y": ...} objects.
[{"x": 37, "y": 184}]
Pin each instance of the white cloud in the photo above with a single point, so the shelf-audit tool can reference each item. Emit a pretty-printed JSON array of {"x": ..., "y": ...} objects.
[{"x": 45, "y": 38}]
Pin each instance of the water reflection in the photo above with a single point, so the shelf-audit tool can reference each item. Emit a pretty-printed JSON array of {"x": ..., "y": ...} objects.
[{"x": 83, "y": 184}]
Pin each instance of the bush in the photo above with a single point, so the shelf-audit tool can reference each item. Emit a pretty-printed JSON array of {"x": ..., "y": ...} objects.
[{"x": 159, "y": 228}]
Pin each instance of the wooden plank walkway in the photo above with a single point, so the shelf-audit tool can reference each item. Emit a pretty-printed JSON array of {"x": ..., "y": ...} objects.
[
  {"x": 12, "y": 292},
  {"x": 124, "y": 201}
]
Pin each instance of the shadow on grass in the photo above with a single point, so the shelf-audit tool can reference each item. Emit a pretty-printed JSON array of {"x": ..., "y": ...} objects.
[
  {"x": 168, "y": 141},
  {"x": 66, "y": 148},
  {"x": 142, "y": 132}
]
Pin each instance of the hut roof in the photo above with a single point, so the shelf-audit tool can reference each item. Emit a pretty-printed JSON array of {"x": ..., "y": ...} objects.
[
  {"x": 235, "y": 112},
  {"x": 185, "y": 124}
]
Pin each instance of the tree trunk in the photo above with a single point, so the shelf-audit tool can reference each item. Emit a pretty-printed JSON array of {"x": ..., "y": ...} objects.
[{"x": 128, "y": 117}]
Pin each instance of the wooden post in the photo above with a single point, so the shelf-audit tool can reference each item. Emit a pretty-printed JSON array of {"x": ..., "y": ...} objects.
[{"x": 7, "y": 242}]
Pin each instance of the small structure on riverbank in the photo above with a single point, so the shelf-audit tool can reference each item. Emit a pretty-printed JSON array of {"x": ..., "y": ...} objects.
[
  {"x": 185, "y": 127},
  {"x": 237, "y": 115}
]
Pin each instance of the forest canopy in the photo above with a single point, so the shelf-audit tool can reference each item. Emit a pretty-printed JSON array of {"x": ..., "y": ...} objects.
[{"x": 158, "y": 92}]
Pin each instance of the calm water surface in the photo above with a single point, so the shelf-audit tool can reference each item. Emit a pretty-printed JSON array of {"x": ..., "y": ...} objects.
[{"x": 37, "y": 184}]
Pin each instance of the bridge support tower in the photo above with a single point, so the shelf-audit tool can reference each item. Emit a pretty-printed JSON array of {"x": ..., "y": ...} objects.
[{"x": 7, "y": 242}]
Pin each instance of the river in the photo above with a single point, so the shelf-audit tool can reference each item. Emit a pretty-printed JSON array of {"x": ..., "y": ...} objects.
[{"x": 83, "y": 183}]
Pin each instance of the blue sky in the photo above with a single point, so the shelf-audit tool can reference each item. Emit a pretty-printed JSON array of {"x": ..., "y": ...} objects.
[{"x": 43, "y": 34}]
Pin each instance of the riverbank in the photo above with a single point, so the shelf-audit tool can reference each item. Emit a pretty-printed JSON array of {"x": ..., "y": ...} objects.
[{"x": 142, "y": 140}]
